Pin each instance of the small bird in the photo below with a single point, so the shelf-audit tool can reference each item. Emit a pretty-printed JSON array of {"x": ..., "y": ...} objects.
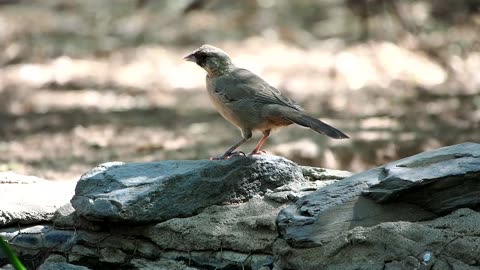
[{"x": 248, "y": 102}]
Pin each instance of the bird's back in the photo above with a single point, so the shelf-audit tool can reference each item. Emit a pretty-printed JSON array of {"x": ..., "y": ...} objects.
[
  {"x": 247, "y": 101},
  {"x": 243, "y": 84}
]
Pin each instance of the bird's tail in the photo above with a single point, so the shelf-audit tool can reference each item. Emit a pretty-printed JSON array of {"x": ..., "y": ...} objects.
[{"x": 315, "y": 124}]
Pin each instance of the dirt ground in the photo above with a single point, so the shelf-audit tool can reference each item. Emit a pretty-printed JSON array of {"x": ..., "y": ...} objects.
[{"x": 73, "y": 95}]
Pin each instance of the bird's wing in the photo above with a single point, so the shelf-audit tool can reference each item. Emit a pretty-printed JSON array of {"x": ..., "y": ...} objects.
[{"x": 242, "y": 84}]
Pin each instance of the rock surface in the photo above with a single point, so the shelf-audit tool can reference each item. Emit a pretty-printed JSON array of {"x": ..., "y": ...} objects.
[
  {"x": 225, "y": 215},
  {"x": 161, "y": 264},
  {"x": 449, "y": 242},
  {"x": 158, "y": 191},
  {"x": 29, "y": 239},
  {"x": 247, "y": 227},
  {"x": 440, "y": 181},
  {"x": 416, "y": 188},
  {"x": 29, "y": 199},
  {"x": 223, "y": 218},
  {"x": 57, "y": 262}
]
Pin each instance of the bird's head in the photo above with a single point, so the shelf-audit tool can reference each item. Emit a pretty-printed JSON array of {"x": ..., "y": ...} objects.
[{"x": 215, "y": 61}]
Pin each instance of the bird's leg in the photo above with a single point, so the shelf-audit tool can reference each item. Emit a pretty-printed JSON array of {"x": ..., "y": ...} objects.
[
  {"x": 230, "y": 152},
  {"x": 256, "y": 151}
]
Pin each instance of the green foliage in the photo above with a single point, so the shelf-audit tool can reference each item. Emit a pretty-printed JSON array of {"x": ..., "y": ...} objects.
[{"x": 11, "y": 256}]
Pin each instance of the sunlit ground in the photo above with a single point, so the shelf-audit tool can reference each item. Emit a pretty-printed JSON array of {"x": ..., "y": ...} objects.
[{"x": 62, "y": 115}]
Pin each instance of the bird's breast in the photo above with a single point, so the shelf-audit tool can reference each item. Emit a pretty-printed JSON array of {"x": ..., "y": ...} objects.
[
  {"x": 244, "y": 113},
  {"x": 218, "y": 100}
]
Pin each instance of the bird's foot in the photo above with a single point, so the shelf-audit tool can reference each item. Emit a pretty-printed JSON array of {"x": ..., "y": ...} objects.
[
  {"x": 229, "y": 155},
  {"x": 253, "y": 153}
]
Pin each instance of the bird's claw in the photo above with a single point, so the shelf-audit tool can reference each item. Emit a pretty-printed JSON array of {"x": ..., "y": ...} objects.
[
  {"x": 238, "y": 153},
  {"x": 229, "y": 155},
  {"x": 257, "y": 153}
]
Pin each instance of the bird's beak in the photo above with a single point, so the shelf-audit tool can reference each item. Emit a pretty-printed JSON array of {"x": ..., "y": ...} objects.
[{"x": 190, "y": 58}]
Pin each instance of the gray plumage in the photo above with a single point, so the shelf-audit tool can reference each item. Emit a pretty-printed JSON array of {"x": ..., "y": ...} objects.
[{"x": 248, "y": 102}]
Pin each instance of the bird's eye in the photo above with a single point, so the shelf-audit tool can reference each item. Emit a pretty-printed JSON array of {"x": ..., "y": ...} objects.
[{"x": 201, "y": 59}]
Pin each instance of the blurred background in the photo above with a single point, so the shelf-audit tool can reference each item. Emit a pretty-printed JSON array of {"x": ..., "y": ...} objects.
[{"x": 84, "y": 81}]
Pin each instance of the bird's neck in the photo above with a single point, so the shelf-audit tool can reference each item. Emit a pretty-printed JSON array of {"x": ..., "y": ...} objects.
[{"x": 215, "y": 69}]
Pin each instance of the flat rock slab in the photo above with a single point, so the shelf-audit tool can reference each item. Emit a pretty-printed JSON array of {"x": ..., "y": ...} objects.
[
  {"x": 158, "y": 191},
  {"x": 440, "y": 181},
  {"x": 411, "y": 189},
  {"x": 28, "y": 199},
  {"x": 32, "y": 240}
]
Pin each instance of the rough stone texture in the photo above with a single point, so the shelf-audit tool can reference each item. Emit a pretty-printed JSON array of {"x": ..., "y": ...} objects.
[
  {"x": 316, "y": 174},
  {"x": 57, "y": 262},
  {"x": 450, "y": 242},
  {"x": 221, "y": 215},
  {"x": 247, "y": 227},
  {"x": 161, "y": 264},
  {"x": 224, "y": 259},
  {"x": 292, "y": 192},
  {"x": 236, "y": 232},
  {"x": 412, "y": 189},
  {"x": 66, "y": 217},
  {"x": 61, "y": 266},
  {"x": 158, "y": 191},
  {"x": 29, "y": 199}
]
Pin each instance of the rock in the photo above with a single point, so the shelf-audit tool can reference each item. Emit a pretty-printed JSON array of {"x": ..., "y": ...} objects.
[
  {"x": 316, "y": 174},
  {"x": 221, "y": 259},
  {"x": 112, "y": 255},
  {"x": 292, "y": 192},
  {"x": 242, "y": 227},
  {"x": 416, "y": 188},
  {"x": 230, "y": 225},
  {"x": 161, "y": 264},
  {"x": 31, "y": 240},
  {"x": 221, "y": 215},
  {"x": 315, "y": 178},
  {"x": 358, "y": 211},
  {"x": 57, "y": 262},
  {"x": 97, "y": 247},
  {"x": 113, "y": 246},
  {"x": 66, "y": 217},
  {"x": 247, "y": 227},
  {"x": 28, "y": 199},
  {"x": 440, "y": 181},
  {"x": 61, "y": 266},
  {"x": 449, "y": 242},
  {"x": 158, "y": 191}
]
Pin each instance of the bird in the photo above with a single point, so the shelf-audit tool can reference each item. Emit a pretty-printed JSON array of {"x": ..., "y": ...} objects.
[{"x": 249, "y": 102}]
